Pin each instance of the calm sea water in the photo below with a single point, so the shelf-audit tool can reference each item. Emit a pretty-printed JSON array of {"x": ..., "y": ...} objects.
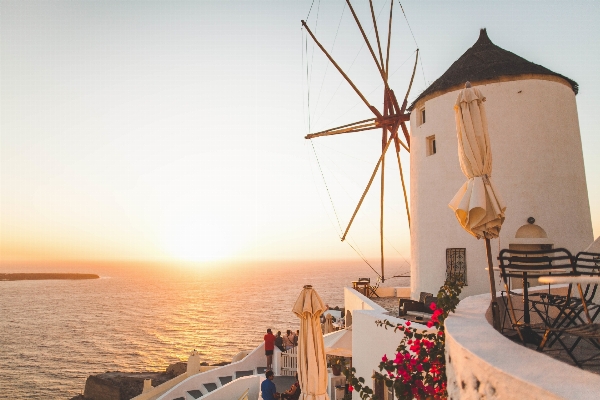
[{"x": 54, "y": 334}]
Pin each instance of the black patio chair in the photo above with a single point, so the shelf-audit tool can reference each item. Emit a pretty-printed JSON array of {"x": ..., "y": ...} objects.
[
  {"x": 578, "y": 311},
  {"x": 525, "y": 264}
]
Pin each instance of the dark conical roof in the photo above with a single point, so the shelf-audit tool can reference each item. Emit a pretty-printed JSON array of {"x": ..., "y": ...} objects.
[{"x": 486, "y": 61}]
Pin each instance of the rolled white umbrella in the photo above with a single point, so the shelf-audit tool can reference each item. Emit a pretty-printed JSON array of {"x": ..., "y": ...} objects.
[
  {"x": 477, "y": 205},
  {"x": 312, "y": 365}
]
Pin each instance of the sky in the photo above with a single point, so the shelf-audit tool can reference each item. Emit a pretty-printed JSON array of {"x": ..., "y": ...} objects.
[{"x": 173, "y": 131}]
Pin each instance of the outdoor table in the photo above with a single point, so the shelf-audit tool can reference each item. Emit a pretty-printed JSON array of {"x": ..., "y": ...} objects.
[
  {"x": 552, "y": 280},
  {"x": 530, "y": 335},
  {"x": 540, "y": 274}
]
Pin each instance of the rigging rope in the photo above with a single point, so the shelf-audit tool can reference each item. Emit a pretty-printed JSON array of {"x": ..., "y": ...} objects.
[
  {"x": 413, "y": 35},
  {"x": 330, "y": 51},
  {"x": 309, "y": 10}
]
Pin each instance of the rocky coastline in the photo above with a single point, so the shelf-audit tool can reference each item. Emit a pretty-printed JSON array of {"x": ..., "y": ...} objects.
[{"x": 118, "y": 385}]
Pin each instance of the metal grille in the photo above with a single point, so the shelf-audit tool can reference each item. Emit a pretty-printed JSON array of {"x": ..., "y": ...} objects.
[{"x": 456, "y": 264}]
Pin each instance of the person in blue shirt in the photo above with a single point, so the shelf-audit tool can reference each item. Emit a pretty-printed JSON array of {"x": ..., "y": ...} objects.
[{"x": 269, "y": 392}]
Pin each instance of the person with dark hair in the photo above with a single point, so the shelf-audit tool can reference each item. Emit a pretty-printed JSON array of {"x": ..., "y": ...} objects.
[
  {"x": 279, "y": 341},
  {"x": 293, "y": 393},
  {"x": 296, "y": 336},
  {"x": 267, "y": 387},
  {"x": 269, "y": 347}
]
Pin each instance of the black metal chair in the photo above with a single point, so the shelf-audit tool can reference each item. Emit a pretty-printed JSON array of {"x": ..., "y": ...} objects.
[
  {"x": 579, "y": 313},
  {"x": 525, "y": 264}
]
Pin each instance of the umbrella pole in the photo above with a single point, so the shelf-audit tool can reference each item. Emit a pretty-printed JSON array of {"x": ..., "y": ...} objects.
[{"x": 494, "y": 303}]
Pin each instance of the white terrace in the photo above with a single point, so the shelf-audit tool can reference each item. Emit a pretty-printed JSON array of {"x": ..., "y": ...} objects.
[{"x": 482, "y": 363}]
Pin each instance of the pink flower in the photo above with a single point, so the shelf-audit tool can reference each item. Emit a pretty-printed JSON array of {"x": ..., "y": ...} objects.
[
  {"x": 384, "y": 358},
  {"x": 407, "y": 323},
  {"x": 430, "y": 323},
  {"x": 432, "y": 306},
  {"x": 350, "y": 388}
]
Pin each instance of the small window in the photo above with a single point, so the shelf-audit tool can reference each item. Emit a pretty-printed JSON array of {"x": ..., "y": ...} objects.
[
  {"x": 430, "y": 143},
  {"x": 456, "y": 264},
  {"x": 421, "y": 116},
  {"x": 381, "y": 390},
  {"x": 378, "y": 387}
]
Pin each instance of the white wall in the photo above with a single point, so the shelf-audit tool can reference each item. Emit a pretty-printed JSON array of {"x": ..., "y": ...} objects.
[
  {"x": 255, "y": 359},
  {"x": 369, "y": 341},
  {"x": 481, "y": 363},
  {"x": 234, "y": 390},
  {"x": 537, "y": 167}
]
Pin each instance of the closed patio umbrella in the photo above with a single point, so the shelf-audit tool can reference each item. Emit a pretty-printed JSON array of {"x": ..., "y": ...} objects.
[
  {"x": 328, "y": 324},
  {"x": 312, "y": 365},
  {"x": 477, "y": 204}
]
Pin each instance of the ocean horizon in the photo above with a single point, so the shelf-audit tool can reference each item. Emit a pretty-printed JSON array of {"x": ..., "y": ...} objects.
[{"x": 55, "y": 333}]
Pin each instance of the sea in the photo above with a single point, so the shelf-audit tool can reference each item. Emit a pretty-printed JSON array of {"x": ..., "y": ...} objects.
[{"x": 136, "y": 317}]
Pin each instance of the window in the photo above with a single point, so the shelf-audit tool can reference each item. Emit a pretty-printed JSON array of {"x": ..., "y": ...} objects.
[
  {"x": 381, "y": 390},
  {"x": 430, "y": 145},
  {"x": 421, "y": 116},
  {"x": 456, "y": 264}
]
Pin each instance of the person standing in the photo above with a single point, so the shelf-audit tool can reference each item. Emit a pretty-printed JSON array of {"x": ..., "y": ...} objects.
[
  {"x": 296, "y": 337},
  {"x": 288, "y": 340},
  {"x": 269, "y": 347},
  {"x": 267, "y": 387},
  {"x": 279, "y": 341}
]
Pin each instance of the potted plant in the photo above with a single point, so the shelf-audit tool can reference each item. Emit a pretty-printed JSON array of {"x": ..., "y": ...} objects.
[{"x": 337, "y": 363}]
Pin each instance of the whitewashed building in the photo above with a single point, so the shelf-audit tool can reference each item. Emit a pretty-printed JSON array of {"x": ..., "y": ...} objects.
[{"x": 537, "y": 166}]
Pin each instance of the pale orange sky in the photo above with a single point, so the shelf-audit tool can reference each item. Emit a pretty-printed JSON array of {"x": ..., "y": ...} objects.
[{"x": 174, "y": 131}]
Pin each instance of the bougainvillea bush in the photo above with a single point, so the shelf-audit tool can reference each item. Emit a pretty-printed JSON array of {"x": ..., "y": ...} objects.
[{"x": 418, "y": 368}]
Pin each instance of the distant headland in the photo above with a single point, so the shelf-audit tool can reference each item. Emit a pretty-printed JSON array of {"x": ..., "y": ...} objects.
[{"x": 45, "y": 276}]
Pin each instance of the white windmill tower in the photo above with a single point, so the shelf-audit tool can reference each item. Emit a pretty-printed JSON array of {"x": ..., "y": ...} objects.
[{"x": 538, "y": 165}]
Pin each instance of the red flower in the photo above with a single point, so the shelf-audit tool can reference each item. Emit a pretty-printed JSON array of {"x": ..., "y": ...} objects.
[
  {"x": 429, "y": 324},
  {"x": 350, "y": 388},
  {"x": 407, "y": 323},
  {"x": 432, "y": 306},
  {"x": 384, "y": 358}
]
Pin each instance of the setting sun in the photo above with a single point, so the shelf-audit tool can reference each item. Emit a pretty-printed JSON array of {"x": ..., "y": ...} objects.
[{"x": 196, "y": 237}]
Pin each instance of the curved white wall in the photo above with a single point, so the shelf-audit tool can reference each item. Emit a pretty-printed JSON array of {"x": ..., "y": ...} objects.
[
  {"x": 483, "y": 364},
  {"x": 537, "y": 166}
]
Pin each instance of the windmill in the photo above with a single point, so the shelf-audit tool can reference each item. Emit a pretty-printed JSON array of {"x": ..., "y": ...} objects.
[{"x": 390, "y": 120}]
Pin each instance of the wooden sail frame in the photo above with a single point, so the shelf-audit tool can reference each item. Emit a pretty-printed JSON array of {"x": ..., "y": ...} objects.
[{"x": 393, "y": 117}]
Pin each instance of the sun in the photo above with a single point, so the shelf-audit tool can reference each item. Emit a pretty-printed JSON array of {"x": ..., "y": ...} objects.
[{"x": 200, "y": 238}]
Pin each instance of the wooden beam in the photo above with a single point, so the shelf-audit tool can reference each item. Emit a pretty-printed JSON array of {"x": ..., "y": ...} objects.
[
  {"x": 373, "y": 109},
  {"x": 377, "y": 36},
  {"x": 379, "y": 67},
  {"x": 387, "y": 57},
  {"x": 366, "y": 189},
  {"x": 331, "y": 132}
]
